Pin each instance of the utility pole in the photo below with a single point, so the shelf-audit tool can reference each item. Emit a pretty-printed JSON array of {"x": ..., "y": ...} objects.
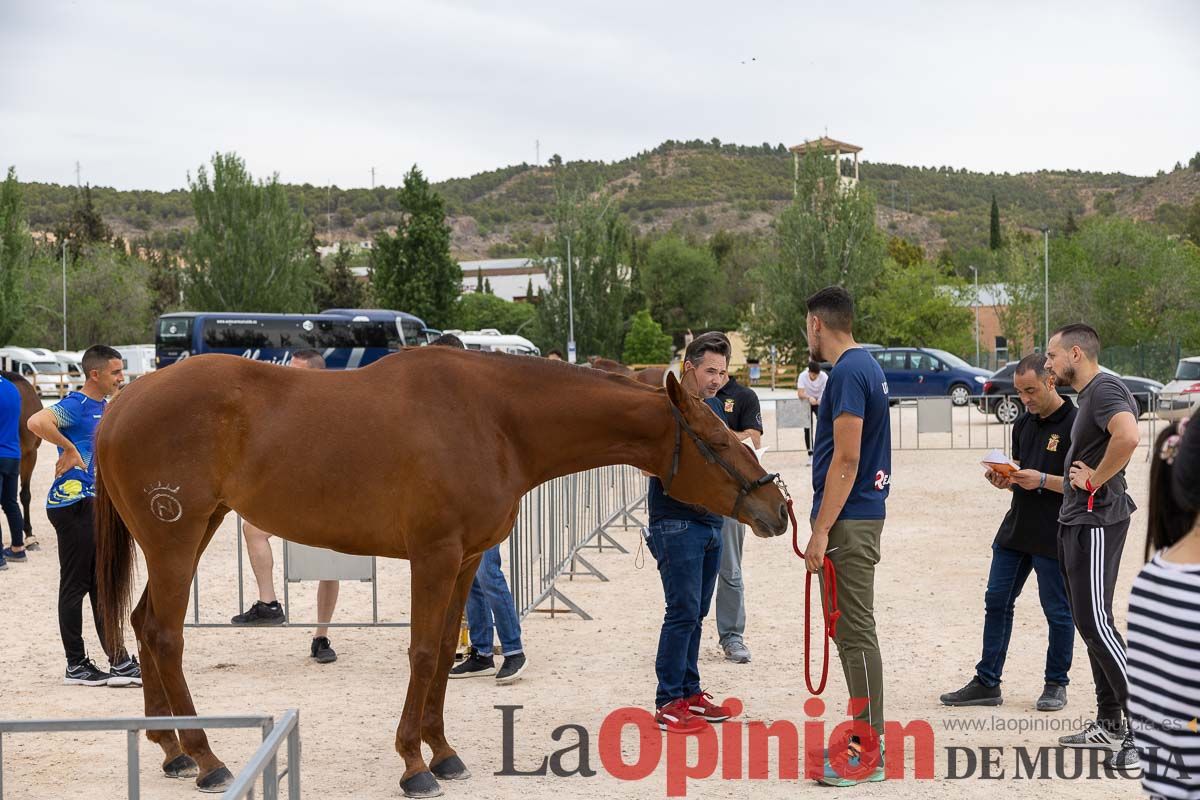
[
  {"x": 570, "y": 309},
  {"x": 1046, "y": 235},
  {"x": 78, "y": 184},
  {"x": 372, "y": 177},
  {"x": 537, "y": 152},
  {"x": 64, "y": 271}
]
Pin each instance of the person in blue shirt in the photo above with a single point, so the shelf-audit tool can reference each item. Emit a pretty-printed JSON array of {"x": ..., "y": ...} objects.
[
  {"x": 10, "y": 470},
  {"x": 70, "y": 424},
  {"x": 852, "y": 475},
  {"x": 685, "y": 541}
]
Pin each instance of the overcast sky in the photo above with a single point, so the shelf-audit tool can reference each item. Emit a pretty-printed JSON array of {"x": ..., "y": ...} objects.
[{"x": 139, "y": 93}]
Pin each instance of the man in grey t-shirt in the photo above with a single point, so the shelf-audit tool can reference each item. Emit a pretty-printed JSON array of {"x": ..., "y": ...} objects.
[{"x": 1093, "y": 523}]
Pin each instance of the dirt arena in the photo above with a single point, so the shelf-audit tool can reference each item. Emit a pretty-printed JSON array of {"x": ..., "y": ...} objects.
[{"x": 929, "y": 605}]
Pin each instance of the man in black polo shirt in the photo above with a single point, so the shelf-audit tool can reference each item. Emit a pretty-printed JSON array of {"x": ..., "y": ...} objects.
[
  {"x": 1028, "y": 541},
  {"x": 743, "y": 415}
]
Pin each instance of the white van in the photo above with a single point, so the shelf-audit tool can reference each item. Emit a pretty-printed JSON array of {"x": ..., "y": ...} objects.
[
  {"x": 42, "y": 368},
  {"x": 1180, "y": 398},
  {"x": 492, "y": 340},
  {"x": 138, "y": 358}
]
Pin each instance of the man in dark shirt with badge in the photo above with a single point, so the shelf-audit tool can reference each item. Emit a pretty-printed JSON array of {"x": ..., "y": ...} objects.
[
  {"x": 743, "y": 415},
  {"x": 1028, "y": 542},
  {"x": 1094, "y": 521},
  {"x": 685, "y": 541}
]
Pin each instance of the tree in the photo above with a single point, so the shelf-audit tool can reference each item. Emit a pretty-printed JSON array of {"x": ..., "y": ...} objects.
[
  {"x": 826, "y": 236},
  {"x": 108, "y": 298},
  {"x": 919, "y": 307},
  {"x": 681, "y": 284},
  {"x": 250, "y": 250},
  {"x": 15, "y": 250},
  {"x": 1071, "y": 227},
  {"x": 904, "y": 252},
  {"x": 479, "y": 279},
  {"x": 338, "y": 287},
  {"x": 413, "y": 270},
  {"x": 646, "y": 343},
  {"x": 738, "y": 255},
  {"x": 164, "y": 282},
  {"x": 478, "y": 310},
  {"x": 600, "y": 242},
  {"x": 994, "y": 240}
]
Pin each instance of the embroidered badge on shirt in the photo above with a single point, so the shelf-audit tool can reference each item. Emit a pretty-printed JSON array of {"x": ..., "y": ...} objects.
[
  {"x": 1052, "y": 444},
  {"x": 728, "y": 406}
]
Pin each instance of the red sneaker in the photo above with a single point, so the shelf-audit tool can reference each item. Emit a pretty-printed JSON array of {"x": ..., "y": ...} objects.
[
  {"x": 699, "y": 706},
  {"x": 675, "y": 717}
]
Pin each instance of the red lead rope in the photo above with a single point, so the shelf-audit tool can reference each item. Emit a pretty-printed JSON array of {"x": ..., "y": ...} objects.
[{"x": 830, "y": 613}]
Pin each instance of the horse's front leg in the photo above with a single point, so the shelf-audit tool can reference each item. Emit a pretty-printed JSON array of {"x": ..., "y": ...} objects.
[
  {"x": 434, "y": 579},
  {"x": 445, "y": 762}
]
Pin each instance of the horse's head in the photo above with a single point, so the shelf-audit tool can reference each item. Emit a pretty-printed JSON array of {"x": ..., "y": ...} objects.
[{"x": 710, "y": 467}]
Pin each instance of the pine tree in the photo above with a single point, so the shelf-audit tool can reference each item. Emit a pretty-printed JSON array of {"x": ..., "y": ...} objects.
[
  {"x": 529, "y": 291},
  {"x": 15, "y": 248},
  {"x": 479, "y": 279},
  {"x": 413, "y": 271},
  {"x": 994, "y": 241},
  {"x": 487, "y": 286}
]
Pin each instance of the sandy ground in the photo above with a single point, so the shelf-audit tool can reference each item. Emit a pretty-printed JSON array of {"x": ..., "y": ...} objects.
[{"x": 929, "y": 605}]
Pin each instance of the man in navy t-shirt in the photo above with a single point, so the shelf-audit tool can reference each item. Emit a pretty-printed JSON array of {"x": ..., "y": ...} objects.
[
  {"x": 685, "y": 540},
  {"x": 852, "y": 474}
]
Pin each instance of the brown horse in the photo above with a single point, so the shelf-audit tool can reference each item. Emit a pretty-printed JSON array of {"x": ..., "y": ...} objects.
[
  {"x": 423, "y": 455},
  {"x": 30, "y": 405}
]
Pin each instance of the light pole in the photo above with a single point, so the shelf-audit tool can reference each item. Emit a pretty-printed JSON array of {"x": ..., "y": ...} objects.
[
  {"x": 1046, "y": 295},
  {"x": 976, "y": 304},
  {"x": 570, "y": 308},
  {"x": 64, "y": 271}
]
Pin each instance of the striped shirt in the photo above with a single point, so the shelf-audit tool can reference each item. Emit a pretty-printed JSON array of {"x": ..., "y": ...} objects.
[{"x": 1164, "y": 676}]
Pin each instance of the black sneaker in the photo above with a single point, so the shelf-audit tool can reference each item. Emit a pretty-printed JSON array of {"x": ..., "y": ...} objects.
[
  {"x": 1054, "y": 698},
  {"x": 512, "y": 668},
  {"x": 261, "y": 614},
  {"x": 974, "y": 694},
  {"x": 85, "y": 673},
  {"x": 1125, "y": 758},
  {"x": 1096, "y": 735},
  {"x": 127, "y": 672},
  {"x": 475, "y": 665},
  {"x": 321, "y": 650}
]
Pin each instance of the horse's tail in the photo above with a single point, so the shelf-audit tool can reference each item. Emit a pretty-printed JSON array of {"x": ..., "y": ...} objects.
[{"x": 114, "y": 568}]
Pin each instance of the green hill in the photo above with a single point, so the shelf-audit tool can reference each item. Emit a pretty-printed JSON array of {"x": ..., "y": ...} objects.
[{"x": 700, "y": 187}]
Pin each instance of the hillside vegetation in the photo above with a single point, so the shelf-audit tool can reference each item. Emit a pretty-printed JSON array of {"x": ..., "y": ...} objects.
[{"x": 691, "y": 187}]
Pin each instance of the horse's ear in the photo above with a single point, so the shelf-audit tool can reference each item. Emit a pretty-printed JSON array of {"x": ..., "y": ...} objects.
[{"x": 674, "y": 390}]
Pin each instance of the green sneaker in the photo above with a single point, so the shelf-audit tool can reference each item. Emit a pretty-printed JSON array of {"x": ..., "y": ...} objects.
[{"x": 853, "y": 757}]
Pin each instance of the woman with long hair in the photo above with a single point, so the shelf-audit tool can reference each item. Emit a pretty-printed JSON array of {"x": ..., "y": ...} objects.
[{"x": 1164, "y": 622}]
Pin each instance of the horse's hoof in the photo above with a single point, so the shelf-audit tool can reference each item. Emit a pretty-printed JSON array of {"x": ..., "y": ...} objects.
[
  {"x": 423, "y": 784},
  {"x": 216, "y": 781},
  {"x": 450, "y": 768},
  {"x": 181, "y": 766}
]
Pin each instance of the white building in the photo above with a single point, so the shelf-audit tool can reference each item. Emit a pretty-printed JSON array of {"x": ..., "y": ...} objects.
[{"x": 509, "y": 278}]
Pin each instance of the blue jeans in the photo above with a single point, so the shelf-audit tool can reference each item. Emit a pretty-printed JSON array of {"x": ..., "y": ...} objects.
[
  {"x": 490, "y": 600},
  {"x": 1010, "y": 570},
  {"x": 689, "y": 557}
]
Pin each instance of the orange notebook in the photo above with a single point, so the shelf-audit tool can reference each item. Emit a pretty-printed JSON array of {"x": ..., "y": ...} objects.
[{"x": 996, "y": 461}]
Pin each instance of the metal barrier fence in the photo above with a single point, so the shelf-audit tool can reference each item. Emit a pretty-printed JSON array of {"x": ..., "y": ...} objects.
[
  {"x": 556, "y": 521},
  {"x": 264, "y": 763},
  {"x": 935, "y": 423}
]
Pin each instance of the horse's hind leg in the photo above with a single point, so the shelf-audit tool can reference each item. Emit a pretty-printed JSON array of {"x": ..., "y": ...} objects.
[
  {"x": 445, "y": 763},
  {"x": 169, "y": 585},
  {"x": 176, "y": 763},
  {"x": 434, "y": 579}
]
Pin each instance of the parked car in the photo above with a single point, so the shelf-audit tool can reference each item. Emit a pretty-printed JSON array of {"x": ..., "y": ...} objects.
[
  {"x": 924, "y": 372},
  {"x": 1000, "y": 395},
  {"x": 1181, "y": 396}
]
